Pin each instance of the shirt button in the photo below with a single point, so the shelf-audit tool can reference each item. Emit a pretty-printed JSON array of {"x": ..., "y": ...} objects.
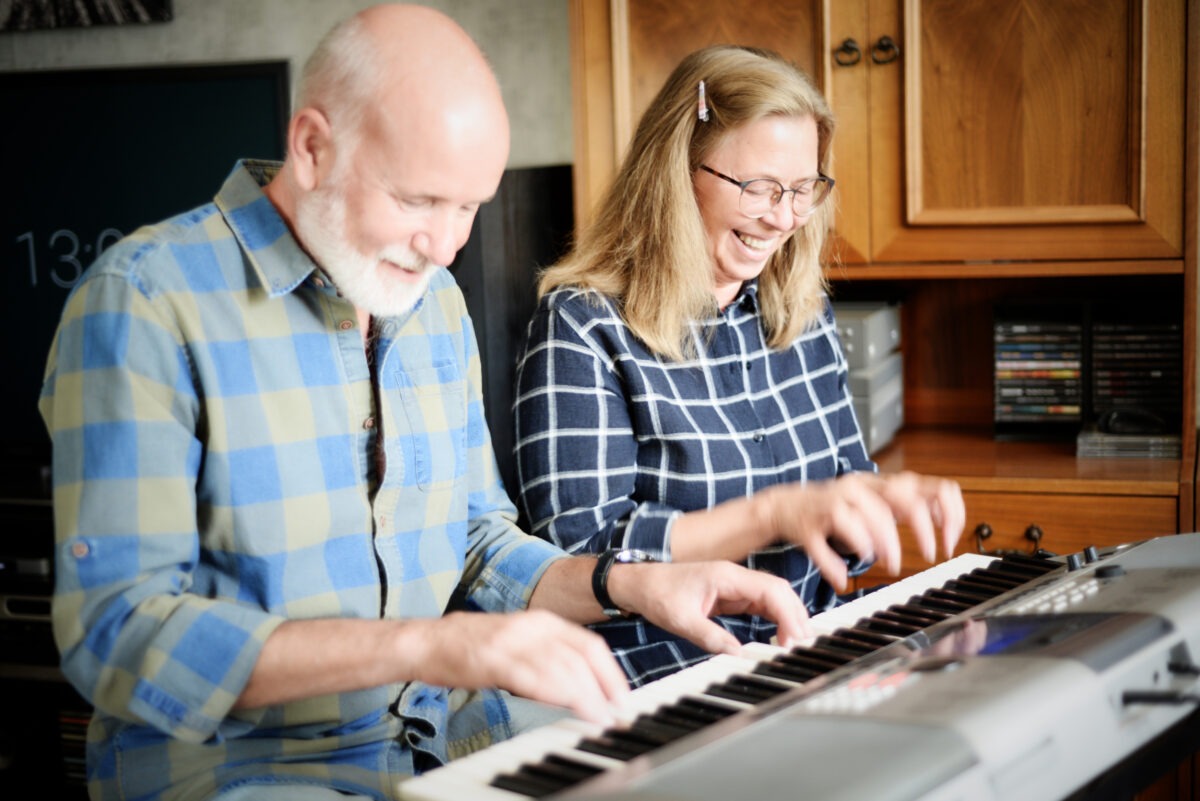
[
  {"x": 758, "y": 436},
  {"x": 369, "y": 423},
  {"x": 346, "y": 325},
  {"x": 79, "y": 549}
]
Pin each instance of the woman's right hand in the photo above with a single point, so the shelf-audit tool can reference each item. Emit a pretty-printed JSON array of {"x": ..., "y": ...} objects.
[{"x": 857, "y": 515}]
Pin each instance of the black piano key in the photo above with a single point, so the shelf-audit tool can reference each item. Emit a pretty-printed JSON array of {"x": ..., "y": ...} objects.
[
  {"x": 806, "y": 657},
  {"x": 581, "y": 770},
  {"x": 552, "y": 774},
  {"x": 884, "y": 624},
  {"x": 668, "y": 716},
  {"x": 638, "y": 737},
  {"x": 916, "y": 609},
  {"x": 737, "y": 691},
  {"x": 746, "y": 689},
  {"x": 995, "y": 577},
  {"x": 866, "y": 637},
  {"x": 985, "y": 592},
  {"x": 1041, "y": 566},
  {"x": 531, "y": 786},
  {"x": 918, "y": 622},
  {"x": 831, "y": 653},
  {"x": 613, "y": 747},
  {"x": 930, "y": 600},
  {"x": 1022, "y": 572},
  {"x": 733, "y": 694},
  {"x": 700, "y": 709},
  {"x": 661, "y": 729},
  {"x": 918, "y": 618},
  {"x": 852, "y": 648},
  {"x": 966, "y": 596},
  {"x": 772, "y": 687},
  {"x": 786, "y": 672}
]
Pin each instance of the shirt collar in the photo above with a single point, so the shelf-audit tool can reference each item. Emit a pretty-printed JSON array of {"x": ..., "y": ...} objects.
[
  {"x": 747, "y": 297},
  {"x": 275, "y": 255}
]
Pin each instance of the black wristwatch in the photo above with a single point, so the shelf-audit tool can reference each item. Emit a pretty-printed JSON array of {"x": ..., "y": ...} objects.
[{"x": 600, "y": 576}]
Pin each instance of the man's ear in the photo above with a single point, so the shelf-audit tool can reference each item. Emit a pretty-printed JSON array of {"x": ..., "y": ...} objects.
[{"x": 311, "y": 145}]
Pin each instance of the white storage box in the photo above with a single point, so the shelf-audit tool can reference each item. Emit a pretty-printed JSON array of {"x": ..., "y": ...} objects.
[
  {"x": 869, "y": 330},
  {"x": 871, "y": 379},
  {"x": 881, "y": 413}
]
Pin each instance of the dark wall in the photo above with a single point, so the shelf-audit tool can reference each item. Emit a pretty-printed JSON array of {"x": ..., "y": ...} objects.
[
  {"x": 526, "y": 227},
  {"x": 97, "y": 153}
]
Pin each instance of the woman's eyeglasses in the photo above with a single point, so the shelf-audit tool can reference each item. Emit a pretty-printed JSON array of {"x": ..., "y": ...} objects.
[{"x": 760, "y": 195}]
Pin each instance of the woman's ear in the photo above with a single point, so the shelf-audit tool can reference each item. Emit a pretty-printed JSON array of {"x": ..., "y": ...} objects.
[{"x": 310, "y": 145}]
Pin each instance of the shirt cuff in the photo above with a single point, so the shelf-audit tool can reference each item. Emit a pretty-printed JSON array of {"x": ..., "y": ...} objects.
[
  {"x": 649, "y": 530},
  {"x": 507, "y": 580}
]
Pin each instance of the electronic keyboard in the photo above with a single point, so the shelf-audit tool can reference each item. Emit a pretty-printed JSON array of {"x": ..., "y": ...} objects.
[{"x": 1014, "y": 677}]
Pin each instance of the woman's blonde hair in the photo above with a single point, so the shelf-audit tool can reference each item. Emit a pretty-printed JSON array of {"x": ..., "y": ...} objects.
[{"x": 647, "y": 247}]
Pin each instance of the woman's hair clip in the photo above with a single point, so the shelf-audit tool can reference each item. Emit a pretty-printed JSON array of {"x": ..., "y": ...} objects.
[{"x": 702, "y": 108}]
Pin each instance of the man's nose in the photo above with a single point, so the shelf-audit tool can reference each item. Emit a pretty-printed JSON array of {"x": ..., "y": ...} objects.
[{"x": 440, "y": 238}]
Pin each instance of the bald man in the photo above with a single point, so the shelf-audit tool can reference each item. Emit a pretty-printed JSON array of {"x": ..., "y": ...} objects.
[{"x": 278, "y": 515}]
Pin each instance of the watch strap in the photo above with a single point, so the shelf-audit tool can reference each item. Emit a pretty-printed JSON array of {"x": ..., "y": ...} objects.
[{"x": 600, "y": 577}]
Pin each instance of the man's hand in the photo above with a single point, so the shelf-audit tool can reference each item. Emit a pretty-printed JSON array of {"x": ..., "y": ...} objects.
[{"x": 534, "y": 654}]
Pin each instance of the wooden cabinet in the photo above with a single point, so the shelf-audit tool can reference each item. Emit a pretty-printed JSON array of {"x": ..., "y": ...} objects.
[
  {"x": 1009, "y": 131},
  {"x": 968, "y": 131},
  {"x": 1021, "y": 496},
  {"x": 986, "y": 153}
]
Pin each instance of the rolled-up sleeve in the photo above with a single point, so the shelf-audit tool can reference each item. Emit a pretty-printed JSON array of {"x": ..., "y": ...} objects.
[{"x": 122, "y": 413}]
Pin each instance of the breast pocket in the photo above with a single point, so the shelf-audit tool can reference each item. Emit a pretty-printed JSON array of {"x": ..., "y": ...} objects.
[{"x": 431, "y": 426}]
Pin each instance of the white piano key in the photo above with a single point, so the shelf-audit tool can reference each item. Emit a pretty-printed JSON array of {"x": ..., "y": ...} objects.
[
  {"x": 691, "y": 681},
  {"x": 850, "y": 613},
  {"x": 446, "y": 785}
]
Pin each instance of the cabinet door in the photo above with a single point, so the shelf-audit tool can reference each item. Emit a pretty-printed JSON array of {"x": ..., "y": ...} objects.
[
  {"x": 622, "y": 53},
  {"x": 968, "y": 130},
  {"x": 1010, "y": 131}
]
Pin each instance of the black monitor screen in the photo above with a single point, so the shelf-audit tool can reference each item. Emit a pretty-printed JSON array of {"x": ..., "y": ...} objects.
[{"x": 88, "y": 156}]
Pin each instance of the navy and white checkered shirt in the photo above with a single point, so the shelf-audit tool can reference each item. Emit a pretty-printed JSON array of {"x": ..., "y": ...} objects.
[{"x": 613, "y": 443}]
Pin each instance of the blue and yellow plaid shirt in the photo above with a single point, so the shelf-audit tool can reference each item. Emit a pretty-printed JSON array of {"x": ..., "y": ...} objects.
[
  {"x": 215, "y": 436},
  {"x": 613, "y": 443}
]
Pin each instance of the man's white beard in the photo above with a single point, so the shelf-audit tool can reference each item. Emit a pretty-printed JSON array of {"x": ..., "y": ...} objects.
[{"x": 363, "y": 280}]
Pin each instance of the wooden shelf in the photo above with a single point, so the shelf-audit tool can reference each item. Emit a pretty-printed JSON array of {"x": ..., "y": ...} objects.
[
  {"x": 1002, "y": 269},
  {"x": 974, "y": 458}
]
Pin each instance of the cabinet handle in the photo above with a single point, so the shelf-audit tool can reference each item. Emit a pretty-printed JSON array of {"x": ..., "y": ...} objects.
[
  {"x": 885, "y": 51},
  {"x": 983, "y": 531},
  {"x": 848, "y": 54}
]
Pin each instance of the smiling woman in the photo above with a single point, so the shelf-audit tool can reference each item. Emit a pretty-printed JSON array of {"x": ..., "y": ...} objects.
[
  {"x": 24, "y": 15},
  {"x": 683, "y": 391}
]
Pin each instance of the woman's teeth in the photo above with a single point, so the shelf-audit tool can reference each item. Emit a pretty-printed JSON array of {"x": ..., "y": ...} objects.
[{"x": 754, "y": 243}]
